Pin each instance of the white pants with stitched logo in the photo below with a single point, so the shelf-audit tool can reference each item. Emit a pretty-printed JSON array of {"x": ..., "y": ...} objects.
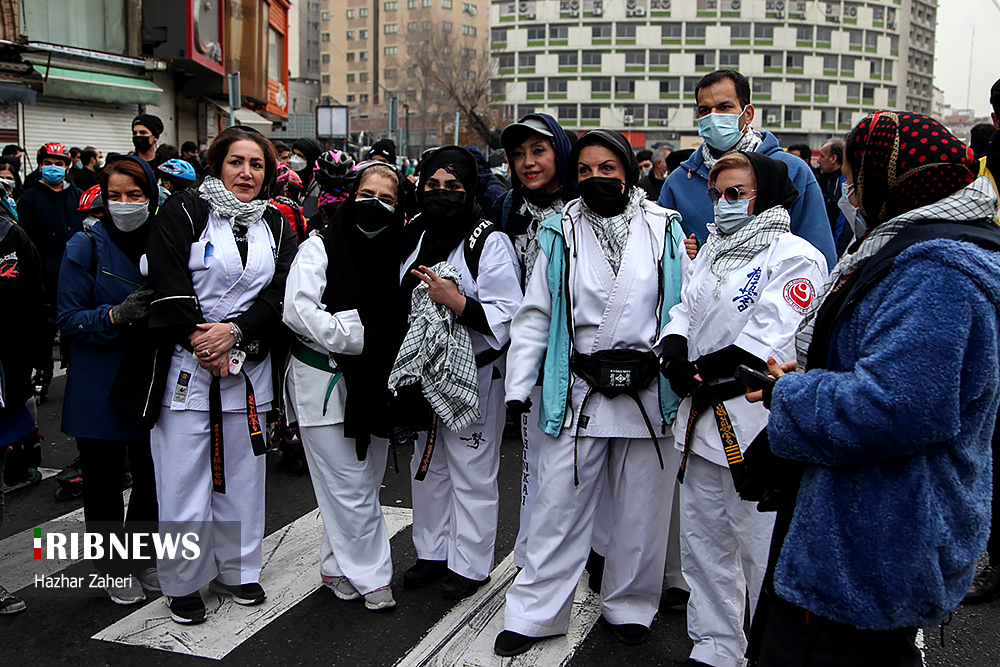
[{"x": 531, "y": 439}]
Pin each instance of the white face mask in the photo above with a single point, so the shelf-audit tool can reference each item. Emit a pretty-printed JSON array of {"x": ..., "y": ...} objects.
[
  {"x": 851, "y": 213},
  {"x": 8, "y": 184},
  {"x": 128, "y": 216},
  {"x": 296, "y": 163}
]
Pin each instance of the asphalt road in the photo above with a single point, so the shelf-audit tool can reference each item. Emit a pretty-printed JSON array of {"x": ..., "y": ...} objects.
[{"x": 319, "y": 629}]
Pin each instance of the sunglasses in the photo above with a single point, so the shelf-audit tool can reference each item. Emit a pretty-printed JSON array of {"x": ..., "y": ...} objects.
[{"x": 731, "y": 195}]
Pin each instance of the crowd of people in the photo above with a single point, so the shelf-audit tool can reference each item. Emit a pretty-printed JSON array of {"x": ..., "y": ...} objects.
[{"x": 718, "y": 360}]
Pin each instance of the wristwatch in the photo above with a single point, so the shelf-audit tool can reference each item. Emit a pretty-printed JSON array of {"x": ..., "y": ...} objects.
[{"x": 237, "y": 334}]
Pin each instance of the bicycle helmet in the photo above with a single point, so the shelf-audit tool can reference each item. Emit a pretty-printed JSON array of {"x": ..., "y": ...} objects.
[
  {"x": 179, "y": 169},
  {"x": 286, "y": 175},
  {"x": 334, "y": 169},
  {"x": 91, "y": 200},
  {"x": 53, "y": 149}
]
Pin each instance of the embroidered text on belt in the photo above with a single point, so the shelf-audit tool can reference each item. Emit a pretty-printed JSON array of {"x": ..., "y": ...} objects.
[
  {"x": 216, "y": 453},
  {"x": 319, "y": 361},
  {"x": 713, "y": 396}
]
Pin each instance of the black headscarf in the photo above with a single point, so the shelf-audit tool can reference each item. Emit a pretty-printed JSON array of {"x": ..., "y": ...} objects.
[
  {"x": 617, "y": 144},
  {"x": 310, "y": 149},
  {"x": 442, "y": 237},
  {"x": 363, "y": 274},
  {"x": 132, "y": 244},
  {"x": 774, "y": 188},
  {"x": 15, "y": 166}
]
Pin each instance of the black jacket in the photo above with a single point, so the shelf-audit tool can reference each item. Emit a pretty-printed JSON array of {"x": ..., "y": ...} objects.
[
  {"x": 22, "y": 298},
  {"x": 50, "y": 218},
  {"x": 652, "y": 186}
]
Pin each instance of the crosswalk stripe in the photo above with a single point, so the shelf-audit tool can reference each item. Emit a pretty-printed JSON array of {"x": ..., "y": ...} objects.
[
  {"x": 46, "y": 473},
  {"x": 294, "y": 552},
  {"x": 17, "y": 560},
  {"x": 464, "y": 636}
]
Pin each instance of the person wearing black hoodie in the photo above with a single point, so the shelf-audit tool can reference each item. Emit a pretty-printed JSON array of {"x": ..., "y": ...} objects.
[
  {"x": 22, "y": 347},
  {"x": 101, "y": 306},
  {"x": 538, "y": 151},
  {"x": 455, "y": 493},
  {"x": 341, "y": 301}
]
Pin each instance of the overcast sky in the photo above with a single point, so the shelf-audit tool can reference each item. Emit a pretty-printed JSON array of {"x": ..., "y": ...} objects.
[{"x": 954, "y": 46}]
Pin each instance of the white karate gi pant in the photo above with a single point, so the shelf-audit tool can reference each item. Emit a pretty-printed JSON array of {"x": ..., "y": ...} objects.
[
  {"x": 531, "y": 439},
  {"x": 455, "y": 507},
  {"x": 674, "y": 576},
  {"x": 724, "y": 546},
  {"x": 562, "y": 524},
  {"x": 230, "y": 525},
  {"x": 355, "y": 540}
]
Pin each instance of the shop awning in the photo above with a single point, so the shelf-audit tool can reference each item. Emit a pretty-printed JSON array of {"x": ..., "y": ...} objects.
[
  {"x": 81, "y": 85},
  {"x": 12, "y": 92},
  {"x": 252, "y": 119}
]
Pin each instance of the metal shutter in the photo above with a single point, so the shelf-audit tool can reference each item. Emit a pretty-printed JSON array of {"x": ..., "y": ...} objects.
[{"x": 107, "y": 127}]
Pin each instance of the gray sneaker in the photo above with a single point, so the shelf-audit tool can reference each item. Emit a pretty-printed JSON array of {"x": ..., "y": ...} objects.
[
  {"x": 341, "y": 587},
  {"x": 129, "y": 593},
  {"x": 10, "y": 604},
  {"x": 379, "y": 599},
  {"x": 149, "y": 580}
]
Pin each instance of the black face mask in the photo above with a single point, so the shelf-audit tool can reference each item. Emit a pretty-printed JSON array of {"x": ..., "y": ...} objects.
[
  {"x": 371, "y": 216},
  {"x": 141, "y": 143},
  {"x": 603, "y": 196},
  {"x": 444, "y": 204},
  {"x": 540, "y": 198}
]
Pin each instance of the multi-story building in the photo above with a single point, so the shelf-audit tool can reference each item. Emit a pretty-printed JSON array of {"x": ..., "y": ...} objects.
[
  {"x": 815, "y": 67},
  {"x": 303, "y": 70},
  {"x": 374, "y": 50}
]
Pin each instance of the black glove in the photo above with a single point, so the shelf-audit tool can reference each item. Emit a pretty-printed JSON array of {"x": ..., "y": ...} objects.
[
  {"x": 680, "y": 373},
  {"x": 518, "y": 408},
  {"x": 722, "y": 363},
  {"x": 133, "y": 308}
]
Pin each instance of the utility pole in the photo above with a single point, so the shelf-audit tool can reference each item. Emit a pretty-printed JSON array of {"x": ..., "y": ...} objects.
[{"x": 457, "y": 114}]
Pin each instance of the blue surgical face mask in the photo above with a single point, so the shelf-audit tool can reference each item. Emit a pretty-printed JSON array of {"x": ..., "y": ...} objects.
[
  {"x": 731, "y": 217},
  {"x": 163, "y": 194},
  {"x": 720, "y": 130},
  {"x": 851, "y": 212},
  {"x": 52, "y": 174}
]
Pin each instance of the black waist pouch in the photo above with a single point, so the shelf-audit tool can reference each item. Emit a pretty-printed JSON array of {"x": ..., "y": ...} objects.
[{"x": 616, "y": 372}]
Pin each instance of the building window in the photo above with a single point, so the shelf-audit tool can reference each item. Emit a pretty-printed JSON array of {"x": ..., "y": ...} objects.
[
  {"x": 695, "y": 31},
  {"x": 590, "y": 112},
  {"x": 411, "y": 94},
  {"x": 569, "y": 59},
  {"x": 411, "y": 4},
  {"x": 390, "y": 50},
  {"x": 326, "y": 58},
  {"x": 390, "y": 28},
  {"x": 362, "y": 34},
  {"x": 875, "y": 69},
  {"x": 469, "y": 8},
  {"x": 325, "y": 16},
  {"x": 446, "y": 49},
  {"x": 602, "y": 85},
  {"x": 557, "y": 31},
  {"x": 350, "y": 14},
  {"x": 793, "y": 116},
  {"x": 557, "y": 86},
  {"x": 350, "y": 98},
  {"x": 446, "y": 4},
  {"x": 625, "y": 30},
  {"x": 390, "y": 6},
  {"x": 526, "y": 60},
  {"x": 772, "y": 60},
  {"x": 854, "y": 38},
  {"x": 535, "y": 86},
  {"x": 469, "y": 30},
  {"x": 363, "y": 98},
  {"x": 804, "y": 33},
  {"x": 363, "y": 12},
  {"x": 600, "y": 31},
  {"x": 670, "y": 86},
  {"x": 498, "y": 35},
  {"x": 536, "y": 33},
  {"x": 739, "y": 31},
  {"x": 847, "y": 65},
  {"x": 871, "y": 40},
  {"x": 635, "y": 57},
  {"x": 275, "y": 47},
  {"x": 761, "y": 87},
  {"x": 468, "y": 53},
  {"x": 498, "y": 87},
  {"x": 794, "y": 61},
  {"x": 390, "y": 73},
  {"x": 363, "y": 56},
  {"x": 350, "y": 56},
  {"x": 326, "y": 78},
  {"x": 506, "y": 61},
  {"x": 803, "y": 89},
  {"x": 704, "y": 59},
  {"x": 853, "y": 92},
  {"x": 763, "y": 31},
  {"x": 411, "y": 26},
  {"x": 821, "y": 88},
  {"x": 363, "y": 77},
  {"x": 659, "y": 58},
  {"x": 670, "y": 31},
  {"x": 824, "y": 35},
  {"x": 427, "y": 25},
  {"x": 425, "y": 3},
  {"x": 567, "y": 112},
  {"x": 729, "y": 59},
  {"x": 350, "y": 78},
  {"x": 591, "y": 58},
  {"x": 623, "y": 85},
  {"x": 410, "y": 49}
]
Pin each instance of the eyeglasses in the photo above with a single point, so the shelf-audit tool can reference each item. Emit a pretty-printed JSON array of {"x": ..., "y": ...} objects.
[{"x": 731, "y": 195}]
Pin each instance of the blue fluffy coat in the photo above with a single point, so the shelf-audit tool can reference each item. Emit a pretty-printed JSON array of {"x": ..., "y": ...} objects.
[{"x": 894, "y": 507}]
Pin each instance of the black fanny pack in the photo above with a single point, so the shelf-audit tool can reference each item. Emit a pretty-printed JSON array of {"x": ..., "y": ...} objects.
[{"x": 614, "y": 373}]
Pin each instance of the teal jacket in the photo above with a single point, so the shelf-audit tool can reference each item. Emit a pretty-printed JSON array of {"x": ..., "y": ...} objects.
[{"x": 556, "y": 378}]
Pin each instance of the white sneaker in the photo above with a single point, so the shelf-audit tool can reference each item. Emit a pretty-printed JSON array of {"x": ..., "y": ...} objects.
[
  {"x": 149, "y": 580},
  {"x": 129, "y": 593},
  {"x": 341, "y": 587},
  {"x": 379, "y": 599}
]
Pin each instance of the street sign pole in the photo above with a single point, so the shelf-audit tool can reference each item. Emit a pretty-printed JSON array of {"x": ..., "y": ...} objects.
[{"x": 235, "y": 99}]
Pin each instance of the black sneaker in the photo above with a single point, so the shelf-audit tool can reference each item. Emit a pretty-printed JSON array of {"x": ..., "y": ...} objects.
[
  {"x": 424, "y": 572},
  {"x": 595, "y": 568},
  {"x": 510, "y": 643},
  {"x": 674, "y": 600},
  {"x": 985, "y": 587},
  {"x": 630, "y": 634},
  {"x": 187, "y": 609},
  {"x": 245, "y": 594},
  {"x": 457, "y": 587},
  {"x": 9, "y": 604}
]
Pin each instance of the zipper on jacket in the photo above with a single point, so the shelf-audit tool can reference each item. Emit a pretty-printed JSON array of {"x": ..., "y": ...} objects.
[{"x": 114, "y": 275}]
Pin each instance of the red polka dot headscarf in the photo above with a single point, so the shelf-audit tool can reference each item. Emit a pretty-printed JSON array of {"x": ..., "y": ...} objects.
[{"x": 902, "y": 161}]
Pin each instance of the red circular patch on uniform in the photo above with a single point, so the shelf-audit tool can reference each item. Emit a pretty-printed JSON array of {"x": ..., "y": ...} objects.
[{"x": 799, "y": 294}]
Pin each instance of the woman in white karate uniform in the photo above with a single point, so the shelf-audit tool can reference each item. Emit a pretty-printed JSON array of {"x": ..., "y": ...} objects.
[
  {"x": 608, "y": 272},
  {"x": 218, "y": 257},
  {"x": 743, "y": 298},
  {"x": 342, "y": 302},
  {"x": 455, "y": 506}
]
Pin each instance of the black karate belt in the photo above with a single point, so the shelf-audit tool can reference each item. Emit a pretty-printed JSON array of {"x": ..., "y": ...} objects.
[
  {"x": 614, "y": 373},
  {"x": 425, "y": 460},
  {"x": 712, "y": 396},
  {"x": 487, "y": 357},
  {"x": 216, "y": 440}
]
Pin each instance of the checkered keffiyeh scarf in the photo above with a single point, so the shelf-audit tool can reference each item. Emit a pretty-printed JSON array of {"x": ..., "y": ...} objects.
[
  {"x": 729, "y": 251},
  {"x": 526, "y": 245},
  {"x": 976, "y": 201},
  {"x": 228, "y": 206},
  {"x": 612, "y": 233},
  {"x": 437, "y": 353},
  {"x": 749, "y": 142}
]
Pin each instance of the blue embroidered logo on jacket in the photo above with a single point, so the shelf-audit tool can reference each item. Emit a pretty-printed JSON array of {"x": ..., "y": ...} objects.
[{"x": 748, "y": 292}]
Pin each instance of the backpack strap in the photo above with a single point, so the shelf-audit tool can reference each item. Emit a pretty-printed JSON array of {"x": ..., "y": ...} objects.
[
  {"x": 475, "y": 242},
  {"x": 93, "y": 251}
]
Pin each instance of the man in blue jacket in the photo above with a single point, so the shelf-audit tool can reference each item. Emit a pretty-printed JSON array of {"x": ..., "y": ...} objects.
[{"x": 725, "y": 116}]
